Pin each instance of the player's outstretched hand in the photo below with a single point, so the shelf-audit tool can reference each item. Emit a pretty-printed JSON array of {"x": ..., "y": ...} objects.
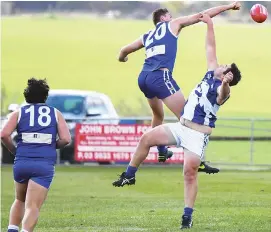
[
  {"x": 228, "y": 78},
  {"x": 235, "y": 5},
  {"x": 205, "y": 18}
]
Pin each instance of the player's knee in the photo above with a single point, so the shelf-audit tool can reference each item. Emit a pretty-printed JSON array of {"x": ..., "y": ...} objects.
[
  {"x": 19, "y": 202},
  {"x": 145, "y": 140},
  {"x": 190, "y": 174},
  {"x": 20, "y": 198},
  {"x": 190, "y": 178},
  {"x": 159, "y": 116},
  {"x": 33, "y": 209},
  {"x": 32, "y": 205}
]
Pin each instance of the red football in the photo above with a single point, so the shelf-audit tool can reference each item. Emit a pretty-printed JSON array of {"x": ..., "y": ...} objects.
[{"x": 259, "y": 13}]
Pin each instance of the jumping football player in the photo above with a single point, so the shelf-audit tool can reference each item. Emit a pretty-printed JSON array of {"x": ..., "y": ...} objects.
[
  {"x": 197, "y": 120},
  {"x": 155, "y": 79}
]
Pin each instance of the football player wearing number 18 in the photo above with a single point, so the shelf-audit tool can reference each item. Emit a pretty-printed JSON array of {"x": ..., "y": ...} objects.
[
  {"x": 155, "y": 79},
  {"x": 37, "y": 126}
]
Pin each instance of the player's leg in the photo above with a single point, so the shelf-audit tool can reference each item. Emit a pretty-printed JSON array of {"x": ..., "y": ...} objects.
[
  {"x": 168, "y": 91},
  {"x": 159, "y": 82},
  {"x": 194, "y": 144},
  {"x": 150, "y": 83},
  {"x": 155, "y": 103},
  {"x": 190, "y": 169},
  {"x": 173, "y": 98},
  {"x": 175, "y": 103},
  {"x": 38, "y": 187},
  {"x": 21, "y": 177},
  {"x": 36, "y": 195},
  {"x": 157, "y": 119},
  {"x": 17, "y": 208},
  {"x": 160, "y": 135},
  {"x": 157, "y": 111}
]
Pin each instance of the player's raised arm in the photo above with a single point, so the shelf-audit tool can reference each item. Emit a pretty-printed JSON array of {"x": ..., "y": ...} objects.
[
  {"x": 180, "y": 22},
  {"x": 130, "y": 48},
  {"x": 210, "y": 44},
  {"x": 7, "y": 130}
]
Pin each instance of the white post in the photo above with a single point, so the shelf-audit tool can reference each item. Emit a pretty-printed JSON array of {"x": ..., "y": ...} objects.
[
  {"x": 252, "y": 141},
  {"x": 57, "y": 156}
]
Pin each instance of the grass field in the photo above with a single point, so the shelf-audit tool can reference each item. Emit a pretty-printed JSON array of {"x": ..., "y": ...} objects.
[
  {"x": 239, "y": 152},
  {"x": 81, "y": 54},
  {"x": 83, "y": 199}
]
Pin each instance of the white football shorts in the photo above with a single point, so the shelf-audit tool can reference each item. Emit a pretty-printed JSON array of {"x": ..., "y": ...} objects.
[{"x": 190, "y": 139}]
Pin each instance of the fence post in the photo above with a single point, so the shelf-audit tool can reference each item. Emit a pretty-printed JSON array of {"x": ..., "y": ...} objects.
[
  {"x": 57, "y": 156},
  {"x": 252, "y": 141}
]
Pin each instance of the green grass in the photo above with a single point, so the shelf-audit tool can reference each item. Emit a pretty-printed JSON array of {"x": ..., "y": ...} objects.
[
  {"x": 81, "y": 54},
  {"x": 239, "y": 152},
  {"x": 83, "y": 199}
]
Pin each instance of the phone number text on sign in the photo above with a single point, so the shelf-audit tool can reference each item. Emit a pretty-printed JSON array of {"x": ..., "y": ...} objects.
[{"x": 114, "y": 143}]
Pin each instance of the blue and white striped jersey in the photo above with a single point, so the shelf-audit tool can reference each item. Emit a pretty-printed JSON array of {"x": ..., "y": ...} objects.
[
  {"x": 201, "y": 106},
  {"x": 37, "y": 132}
]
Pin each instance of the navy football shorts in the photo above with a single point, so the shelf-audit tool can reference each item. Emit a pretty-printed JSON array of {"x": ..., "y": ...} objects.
[
  {"x": 40, "y": 171},
  {"x": 159, "y": 83}
]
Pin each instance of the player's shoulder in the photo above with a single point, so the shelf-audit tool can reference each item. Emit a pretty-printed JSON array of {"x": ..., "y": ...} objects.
[
  {"x": 156, "y": 27},
  {"x": 13, "y": 114},
  {"x": 24, "y": 106},
  {"x": 148, "y": 32},
  {"x": 145, "y": 35},
  {"x": 58, "y": 114},
  {"x": 51, "y": 107},
  {"x": 55, "y": 110}
]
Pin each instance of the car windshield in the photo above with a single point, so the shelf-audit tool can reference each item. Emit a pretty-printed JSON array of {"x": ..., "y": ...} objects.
[
  {"x": 96, "y": 106},
  {"x": 67, "y": 103}
]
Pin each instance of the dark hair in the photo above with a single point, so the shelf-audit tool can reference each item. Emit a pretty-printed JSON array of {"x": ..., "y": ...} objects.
[
  {"x": 36, "y": 91},
  {"x": 156, "y": 15},
  {"x": 236, "y": 74}
]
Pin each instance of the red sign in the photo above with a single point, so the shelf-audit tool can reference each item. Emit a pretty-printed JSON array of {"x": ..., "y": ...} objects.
[{"x": 114, "y": 143}]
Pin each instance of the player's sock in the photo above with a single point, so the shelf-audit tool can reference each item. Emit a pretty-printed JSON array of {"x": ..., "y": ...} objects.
[
  {"x": 13, "y": 228},
  {"x": 187, "y": 211},
  {"x": 162, "y": 149},
  {"x": 24, "y": 230},
  {"x": 130, "y": 171}
]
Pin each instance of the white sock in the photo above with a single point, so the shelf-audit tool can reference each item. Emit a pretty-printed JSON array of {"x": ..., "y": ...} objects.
[
  {"x": 13, "y": 227},
  {"x": 24, "y": 230}
]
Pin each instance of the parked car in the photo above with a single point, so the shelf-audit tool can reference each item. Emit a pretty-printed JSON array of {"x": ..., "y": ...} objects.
[{"x": 79, "y": 107}]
